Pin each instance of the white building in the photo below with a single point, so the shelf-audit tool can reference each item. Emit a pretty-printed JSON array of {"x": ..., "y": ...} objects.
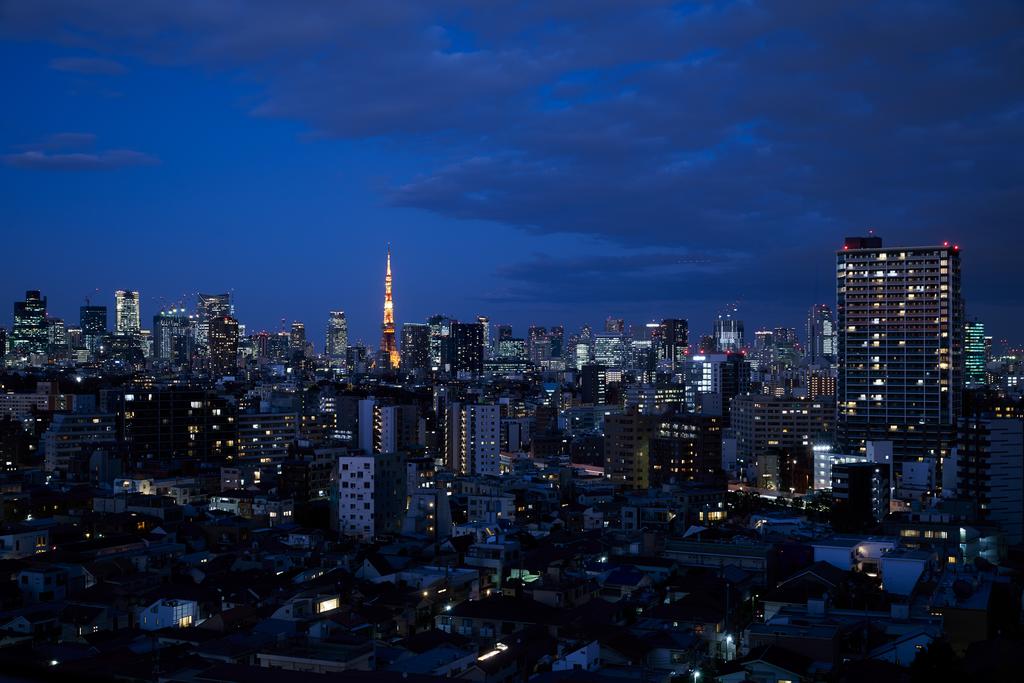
[
  {"x": 167, "y": 613},
  {"x": 355, "y": 496}
]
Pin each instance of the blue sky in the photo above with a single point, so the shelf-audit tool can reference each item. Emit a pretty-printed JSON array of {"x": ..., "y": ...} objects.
[{"x": 533, "y": 162}]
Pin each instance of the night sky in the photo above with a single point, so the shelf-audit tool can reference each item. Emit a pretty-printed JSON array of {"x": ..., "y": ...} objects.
[{"x": 539, "y": 162}]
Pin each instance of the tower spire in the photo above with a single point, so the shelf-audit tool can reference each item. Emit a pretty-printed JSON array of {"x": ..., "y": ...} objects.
[{"x": 388, "y": 349}]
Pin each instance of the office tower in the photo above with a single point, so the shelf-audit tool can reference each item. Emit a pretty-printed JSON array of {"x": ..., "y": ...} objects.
[
  {"x": 176, "y": 423},
  {"x": 685, "y": 447},
  {"x": 728, "y": 332},
  {"x": 610, "y": 350},
  {"x": 975, "y": 354},
  {"x": 474, "y": 438},
  {"x": 626, "y": 449},
  {"x": 297, "y": 338},
  {"x": 469, "y": 348},
  {"x": 29, "y": 334},
  {"x": 674, "y": 338},
  {"x": 500, "y": 331},
  {"x": 93, "y": 321},
  {"x": 712, "y": 381},
  {"x": 171, "y": 336},
  {"x": 127, "y": 321},
  {"x": 614, "y": 325},
  {"x": 511, "y": 348},
  {"x": 764, "y": 349},
  {"x": 989, "y": 463},
  {"x": 415, "y": 347},
  {"x": 763, "y": 423},
  {"x": 821, "y": 335},
  {"x": 441, "y": 352},
  {"x": 56, "y": 337},
  {"x": 208, "y": 307},
  {"x": 337, "y": 336},
  {"x": 223, "y": 345},
  {"x": 3, "y": 345},
  {"x": 556, "y": 337},
  {"x": 486, "y": 322},
  {"x": 900, "y": 347},
  {"x": 538, "y": 344},
  {"x": 860, "y": 494},
  {"x": 389, "y": 357},
  {"x": 580, "y": 354},
  {"x": 594, "y": 384}
]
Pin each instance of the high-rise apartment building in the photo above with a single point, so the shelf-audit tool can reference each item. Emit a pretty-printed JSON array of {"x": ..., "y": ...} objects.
[
  {"x": 223, "y": 344},
  {"x": 900, "y": 347},
  {"x": 989, "y": 461},
  {"x": 127, "y": 321},
  {"x": 474, "y": 438}
]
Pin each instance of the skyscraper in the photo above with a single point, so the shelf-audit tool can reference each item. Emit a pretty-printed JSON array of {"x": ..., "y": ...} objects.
[
  {"x": 469, "y": 347},
  {"x": 30, "y": 334},
  {"x": 223, "y": 344},
  {"x": 440, "y": 336},
  {"x": 93, "y": 321},
  {"x": 674, "y": 335},
  {"x": 126, "y": 313},
  {"x": 821, "y": 335},
  {"x": 486, "y": 322},
  {"x": 415, "y": 347},
  {"x": 728, "y": 332},
  {"x": 900, "y": 347},
  {"x": 208, "y": 307},
  {"x": 337, "y": 335},
  {"x": 297, "y": 339},
  {"x": 388, "y": 349},
  {"x": 171, "y": 332},
  {"x": 975, "y": 354}
]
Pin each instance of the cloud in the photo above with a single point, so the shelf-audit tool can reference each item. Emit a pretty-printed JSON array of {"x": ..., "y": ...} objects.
[
  {"x": 62, "y": 141},
  {"x": 714, "y": 125},
  {"x": 67, "y": 152},
  {"x": 88, "y": 65}
]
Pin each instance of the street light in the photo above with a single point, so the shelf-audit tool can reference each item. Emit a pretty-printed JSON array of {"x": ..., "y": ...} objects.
[{"x": 696, "y": 676}]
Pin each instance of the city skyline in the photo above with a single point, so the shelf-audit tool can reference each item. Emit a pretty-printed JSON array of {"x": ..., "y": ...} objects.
[
  {"x": 382, "y": 340},
  {"x": 366, "y": 332},
  {"x": 534, "y": 178}
]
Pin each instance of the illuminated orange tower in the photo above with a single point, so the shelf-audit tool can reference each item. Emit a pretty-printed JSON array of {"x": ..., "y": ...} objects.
[{"x": 388, "y": 349}]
